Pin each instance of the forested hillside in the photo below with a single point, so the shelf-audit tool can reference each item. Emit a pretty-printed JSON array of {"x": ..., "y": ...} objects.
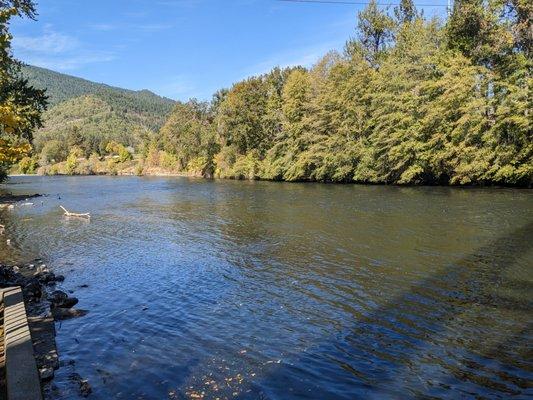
[
  {"x": 410, "y": 100},
  {"x": 89, "y": 115}
]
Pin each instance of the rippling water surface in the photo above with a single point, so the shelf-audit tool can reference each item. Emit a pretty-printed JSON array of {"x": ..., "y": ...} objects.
[{"x": 223, "y": 289}]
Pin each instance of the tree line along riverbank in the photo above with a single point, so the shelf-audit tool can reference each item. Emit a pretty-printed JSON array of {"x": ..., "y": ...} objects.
[{"x": 410, "y": 100}]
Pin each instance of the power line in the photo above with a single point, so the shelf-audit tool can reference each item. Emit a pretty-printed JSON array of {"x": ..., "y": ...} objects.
[{"x": 360, "y": 3}]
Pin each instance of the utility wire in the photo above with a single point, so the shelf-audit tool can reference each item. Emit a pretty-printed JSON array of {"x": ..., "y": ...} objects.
[{"x": 361, "y": 3}]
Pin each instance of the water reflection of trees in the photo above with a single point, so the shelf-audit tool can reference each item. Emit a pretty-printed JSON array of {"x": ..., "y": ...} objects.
[{"x": 419, "y": 319}]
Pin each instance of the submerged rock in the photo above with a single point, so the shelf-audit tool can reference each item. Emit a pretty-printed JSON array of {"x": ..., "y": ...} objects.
[
  {"x": 64, "y": 363},
  {"x": 68, "y": 302},
  {"x": 60, "y": 299},
  {"x": 84, "y": 386},
  {"x": 60, "y": 314}
]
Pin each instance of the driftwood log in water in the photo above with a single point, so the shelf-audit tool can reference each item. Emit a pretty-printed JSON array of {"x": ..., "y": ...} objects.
[{"x": 71, "y": 214}]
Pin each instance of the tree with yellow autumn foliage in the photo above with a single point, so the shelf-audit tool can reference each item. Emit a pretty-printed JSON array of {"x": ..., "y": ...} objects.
[{"x": 21, "y": 105}]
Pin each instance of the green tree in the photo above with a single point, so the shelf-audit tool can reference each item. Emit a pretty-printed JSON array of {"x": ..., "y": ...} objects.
[
  {"x": 27, "y": 165},
  {"x": 240, "y": 117},
  {"x": 119, "y": 150},
  {"x": 189, "y": 133},
  {"x": 53, "y": 151},
  {"x": 72, "y": 160},
  {"x": 375, "y": 32},
  {"x": 283, "y": 160},
  {"x": 406, "y": 12}
]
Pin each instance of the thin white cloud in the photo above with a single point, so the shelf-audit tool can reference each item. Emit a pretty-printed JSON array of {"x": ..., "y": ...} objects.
[
  {"x": 154, "y": 27},
  {"x": 178, "y": 87},
  {"x": 68, "y": 63},
  {"x": 57, "y": 51},
  {"x": 103, "y": 27},
  {"x": 49, "y": 42},
  {"x": 305, "y": 57}
]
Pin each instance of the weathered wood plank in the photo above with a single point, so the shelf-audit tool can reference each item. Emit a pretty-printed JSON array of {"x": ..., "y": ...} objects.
[{"x": 22, "y": 378}]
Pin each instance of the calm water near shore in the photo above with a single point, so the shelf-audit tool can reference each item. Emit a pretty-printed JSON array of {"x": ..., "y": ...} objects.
[{"x": 227, "y": 289}]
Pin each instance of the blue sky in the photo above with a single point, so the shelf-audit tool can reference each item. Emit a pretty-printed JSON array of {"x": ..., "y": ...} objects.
[{"x": 180, "y": 48}]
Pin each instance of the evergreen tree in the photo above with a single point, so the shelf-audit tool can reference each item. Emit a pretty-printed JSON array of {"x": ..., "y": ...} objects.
[
  {"x": 406, "y": 12},
  {"x": 375, "y": 32}
]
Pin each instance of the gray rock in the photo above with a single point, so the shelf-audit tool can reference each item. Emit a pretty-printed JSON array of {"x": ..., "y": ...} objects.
[
  {"x": 42, "y": 268},
  {"x": 32, "y": 290},
  {"x": 46, "y": 277},
  {"x": 57, "y": 296},
  {"x": 67, "y": 313},
  {"x": 68, "y": 303},
  {"x": 84, "y": 386},
  {"x": 60, "y": 299},
  {"x": 46, "y": 373}
]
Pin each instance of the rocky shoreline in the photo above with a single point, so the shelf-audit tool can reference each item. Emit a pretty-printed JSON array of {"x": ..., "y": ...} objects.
[{"x": 45, "y": 304}]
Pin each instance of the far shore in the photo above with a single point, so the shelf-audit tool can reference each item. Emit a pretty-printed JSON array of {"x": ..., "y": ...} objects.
[
  {"x": 196, "y": 175},
  {"x": 170, "y": 174}
]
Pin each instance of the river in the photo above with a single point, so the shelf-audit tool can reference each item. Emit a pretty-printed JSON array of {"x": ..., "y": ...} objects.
[{"x": 263, "y": 290}]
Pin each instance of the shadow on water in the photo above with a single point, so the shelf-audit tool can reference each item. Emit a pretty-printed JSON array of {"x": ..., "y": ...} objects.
[{"x": 422, "y": 345}]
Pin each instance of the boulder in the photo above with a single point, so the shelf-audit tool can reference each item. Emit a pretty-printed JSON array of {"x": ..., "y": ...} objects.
[
  {"x": 32, "y": 290},
  {"x": 60, "y": 299},
  {"x": 84, "y": 386},
  {"x": 60, "y": 313},
  {"x": 46, "y": 373},
  {"x": 46, "y": 277}
]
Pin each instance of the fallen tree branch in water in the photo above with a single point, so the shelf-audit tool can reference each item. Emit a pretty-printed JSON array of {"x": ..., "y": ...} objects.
[{"x": 71, "y": 214}]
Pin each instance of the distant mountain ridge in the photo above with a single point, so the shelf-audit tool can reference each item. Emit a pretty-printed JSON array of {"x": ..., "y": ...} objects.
[
  {"x": 96, "y": 111},
  {"x": 61, "y": 87}
]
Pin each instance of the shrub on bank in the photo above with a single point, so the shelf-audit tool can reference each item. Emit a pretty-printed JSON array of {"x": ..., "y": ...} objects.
[
  {"x": 247, "y": 166},
  {"x": 167, "y": 161},
  {"x": 235, "y": 166},
  {"x": 139, "y": 168},
  {"x": 197, "y": 166},
  {"x": 27, "y": 165}
]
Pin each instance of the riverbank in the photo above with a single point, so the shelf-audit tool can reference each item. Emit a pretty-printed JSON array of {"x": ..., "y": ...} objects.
[
  {"x": 140, "y": 167},
  {"x": 45, "y": 304}
]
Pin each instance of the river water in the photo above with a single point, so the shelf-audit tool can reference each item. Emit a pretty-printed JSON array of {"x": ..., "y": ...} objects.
[{"x": 261, "y": 290}]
